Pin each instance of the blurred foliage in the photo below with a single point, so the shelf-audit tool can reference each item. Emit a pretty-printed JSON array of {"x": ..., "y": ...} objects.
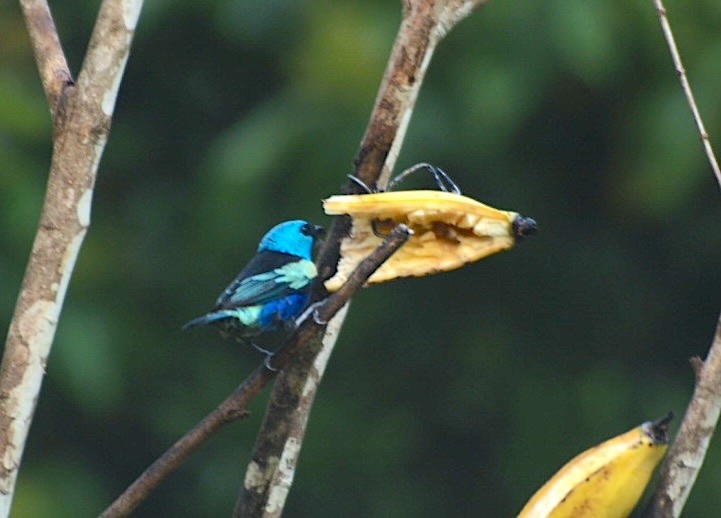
[{"x": 451, "y": 395}]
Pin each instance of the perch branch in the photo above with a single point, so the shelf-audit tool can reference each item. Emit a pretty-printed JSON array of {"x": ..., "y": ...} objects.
[
  {"x": 277, "y": 477},
  {"x": 688, "y": 451},
  {"x": 82, "y": 115},
  {"x": 424, "y": 23},
  {"x": 235, "y": 406}
]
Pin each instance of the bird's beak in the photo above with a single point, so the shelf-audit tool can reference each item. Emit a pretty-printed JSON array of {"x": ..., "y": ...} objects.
[{"x": 318, "y": 231}]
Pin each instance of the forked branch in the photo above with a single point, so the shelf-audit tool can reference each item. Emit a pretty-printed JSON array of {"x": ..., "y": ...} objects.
[{"x": 81, "y": 115}]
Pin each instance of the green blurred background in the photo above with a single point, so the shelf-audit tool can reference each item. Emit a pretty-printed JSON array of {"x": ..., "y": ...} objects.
[{"x": 452, "y": 395}]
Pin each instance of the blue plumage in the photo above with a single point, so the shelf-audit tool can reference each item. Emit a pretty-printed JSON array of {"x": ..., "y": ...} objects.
[{"x": 273, "y": 288}]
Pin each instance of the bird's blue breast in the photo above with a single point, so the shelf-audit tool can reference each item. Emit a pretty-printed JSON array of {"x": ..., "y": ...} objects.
[{"x": 282, "y": 310}]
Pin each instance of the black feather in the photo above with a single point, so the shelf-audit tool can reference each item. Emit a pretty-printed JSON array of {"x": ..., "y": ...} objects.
[{"x": 264, "y": 261}]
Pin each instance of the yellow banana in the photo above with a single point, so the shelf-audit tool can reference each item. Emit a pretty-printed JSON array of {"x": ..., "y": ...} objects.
[
  {"x": 606, "y": 480},
  {"x": 449, "y": 230}
]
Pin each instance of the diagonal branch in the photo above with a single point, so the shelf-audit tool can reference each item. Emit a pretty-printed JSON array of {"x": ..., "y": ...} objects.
[
  {"x": 235, "y": 406},
  {"x": 270, "y": 473},
  {"x": 82, "y": 115},
  {"x": 686, "y": 86},
  {"x": 688, "y": 451}
]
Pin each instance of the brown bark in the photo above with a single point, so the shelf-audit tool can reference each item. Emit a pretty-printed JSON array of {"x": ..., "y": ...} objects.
[{"x": 81, "y": 114}]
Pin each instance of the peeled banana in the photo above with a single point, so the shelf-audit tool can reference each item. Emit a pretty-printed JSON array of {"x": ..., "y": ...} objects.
[
  {"x": 606, "y": 480},
  {"x": 449, "y": 230}
]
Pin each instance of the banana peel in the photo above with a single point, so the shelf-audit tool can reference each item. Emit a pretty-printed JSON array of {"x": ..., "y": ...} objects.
[
  {"x": 449, "y": 230},
  {"x": 606, "y": 481}
]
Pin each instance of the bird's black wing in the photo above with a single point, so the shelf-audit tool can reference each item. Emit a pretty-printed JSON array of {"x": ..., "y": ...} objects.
[{"x": 265, "y": 261}]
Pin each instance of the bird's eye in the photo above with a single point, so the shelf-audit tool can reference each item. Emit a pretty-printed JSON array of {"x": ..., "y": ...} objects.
[{"x": 307, "y": 229}]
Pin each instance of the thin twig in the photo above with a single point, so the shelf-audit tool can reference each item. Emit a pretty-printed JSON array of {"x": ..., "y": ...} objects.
[
  {"x": 82, "y": 116},
  {"x": 681, "y": 71},
  {"x": 686, "y": 456},
  {"x": 235, "y": 406}
]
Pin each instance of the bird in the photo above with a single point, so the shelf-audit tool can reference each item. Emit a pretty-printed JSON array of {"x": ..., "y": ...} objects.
[{"x": 272, "y": 290}]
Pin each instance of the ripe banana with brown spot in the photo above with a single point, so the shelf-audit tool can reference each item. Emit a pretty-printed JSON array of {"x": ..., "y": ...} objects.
[{"x": 606, "y": 480}]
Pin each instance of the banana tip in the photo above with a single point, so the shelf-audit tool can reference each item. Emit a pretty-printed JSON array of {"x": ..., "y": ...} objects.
[
  {"x": 523, "y": 227},
  {"x": 658, "y": 430}
]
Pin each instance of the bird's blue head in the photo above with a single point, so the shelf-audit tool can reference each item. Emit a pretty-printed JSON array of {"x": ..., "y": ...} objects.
[{"x": 295, "y": 237}]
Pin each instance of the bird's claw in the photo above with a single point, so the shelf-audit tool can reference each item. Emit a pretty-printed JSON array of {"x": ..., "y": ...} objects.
[
  {"x": 268, "y": 357},
  {"x": 266, "y": 362},
  {"x": 311, "y": 310},
  {"x": 317, "y": 319}
]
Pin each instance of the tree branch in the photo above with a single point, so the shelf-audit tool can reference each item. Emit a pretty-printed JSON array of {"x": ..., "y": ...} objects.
[
  {"x": 52, "y": 65},
  {"x": 424, "y": 23},
  {"x": 686, "y": 456},
  {"x": 266, "y": 485},
  {"x": 82, "y": 117},
  {"x": 235, "y": 406}
]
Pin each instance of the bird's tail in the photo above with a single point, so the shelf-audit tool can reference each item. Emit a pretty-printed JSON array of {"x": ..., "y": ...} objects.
[{"x": 207, "y": 319}]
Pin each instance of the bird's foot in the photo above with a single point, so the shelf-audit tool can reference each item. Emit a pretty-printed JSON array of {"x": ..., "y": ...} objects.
[
  {"x": 267, "y": 364},
  {"x": 268, "y": 357},
  {"x": 311, "y": 310},
  {"x": 317, "y": 319}
]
